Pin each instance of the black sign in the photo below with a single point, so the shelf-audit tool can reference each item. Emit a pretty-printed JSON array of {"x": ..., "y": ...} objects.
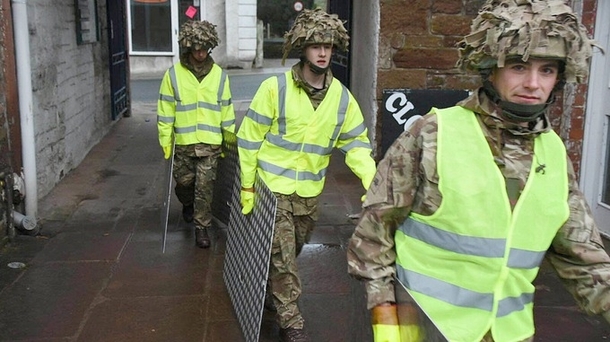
[{"x": 401, "y": 107}]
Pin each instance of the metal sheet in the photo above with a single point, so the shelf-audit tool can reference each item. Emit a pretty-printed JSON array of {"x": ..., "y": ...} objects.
[
  {"x": 248, "y": 251},
  {"x": 227, "y": 175},
  {"x": 415, "y": 325}
]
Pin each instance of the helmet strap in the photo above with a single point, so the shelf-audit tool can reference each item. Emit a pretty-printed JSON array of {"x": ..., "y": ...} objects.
[
  {"x": 515, "y": 111},
  {"x": 314, "y": 68}
]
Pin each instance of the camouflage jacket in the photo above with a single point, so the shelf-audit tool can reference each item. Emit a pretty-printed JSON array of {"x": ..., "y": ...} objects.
[{"x": 406, "y": 180}]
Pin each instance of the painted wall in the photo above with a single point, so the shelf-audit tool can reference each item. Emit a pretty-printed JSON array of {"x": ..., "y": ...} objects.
[
  {"x": 71, "y": 89},
  {"x": 235, "y": 22},
  {"x": 240, "y": 41}
]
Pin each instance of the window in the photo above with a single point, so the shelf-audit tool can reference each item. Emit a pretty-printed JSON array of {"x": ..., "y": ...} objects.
[
  {"x": 86, "y": 21},
  {"x": 151, "y": 25}
]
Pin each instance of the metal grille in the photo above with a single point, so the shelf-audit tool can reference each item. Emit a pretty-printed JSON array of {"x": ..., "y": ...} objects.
[
  {"x": 248, "y": 251},
  {"x": 227, "y": 174}
]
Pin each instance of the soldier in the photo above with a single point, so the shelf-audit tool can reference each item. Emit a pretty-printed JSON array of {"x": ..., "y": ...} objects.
[
  {"x": 468, "y": 201},
  {"x": 194, "y": 106},
  {"x": 294, "y": 122}
]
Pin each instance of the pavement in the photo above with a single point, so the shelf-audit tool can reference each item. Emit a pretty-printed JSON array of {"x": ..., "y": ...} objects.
[{"x": 96, "y": 271}]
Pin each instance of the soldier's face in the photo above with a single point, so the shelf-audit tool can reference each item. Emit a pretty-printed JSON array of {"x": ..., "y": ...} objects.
[
  {"x": 527, "y": 83},
  {"x": 319, "y": 54},
  {"x": 199, "y": 55}
]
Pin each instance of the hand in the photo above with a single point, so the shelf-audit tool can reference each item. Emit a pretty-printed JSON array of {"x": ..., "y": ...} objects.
[
  {"x": 167, "y": 151},
  {"x": 366, "y": 183},
  {"x": 385, "y": 323},
  {"x": 367, "y": 180},
  {"x": 247, "y": 200}
]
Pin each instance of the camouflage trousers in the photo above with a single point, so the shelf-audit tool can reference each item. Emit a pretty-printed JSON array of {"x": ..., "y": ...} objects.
[
  {"x": 195, "y": 173},
  {"x": 294, "y": 222}
]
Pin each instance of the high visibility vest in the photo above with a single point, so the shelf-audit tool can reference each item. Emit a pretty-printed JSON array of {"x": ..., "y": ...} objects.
[
  {"x": 195, "y": 112},
  {"x": 471, "y": 264},
  {"x": 289, "y": 143}
]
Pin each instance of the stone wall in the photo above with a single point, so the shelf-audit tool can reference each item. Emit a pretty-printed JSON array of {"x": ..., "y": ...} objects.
[{"x": 71, "y": 88}]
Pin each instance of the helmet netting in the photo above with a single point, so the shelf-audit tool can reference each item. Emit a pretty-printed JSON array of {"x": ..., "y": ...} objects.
[
  {"x": 526, "y": 28},
  {"x": 197, "y": 35},
  {"x": 315, "y": 27}
]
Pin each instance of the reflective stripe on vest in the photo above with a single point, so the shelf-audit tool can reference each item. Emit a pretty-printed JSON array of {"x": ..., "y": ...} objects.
[
  {"x": 287, "y": 155},
  {"x": 278, "y": 139},
  {"x": 198, "y": 121},
  {"x": 212, "y": 106},
  {"x": 471, "y": 264}
]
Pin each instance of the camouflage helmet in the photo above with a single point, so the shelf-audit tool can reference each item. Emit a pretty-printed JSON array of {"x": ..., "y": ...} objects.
[
  {"x": 197, "y": 35},
  {"x": 315, "y": 27},
  {"x": 526, "y": 28}
]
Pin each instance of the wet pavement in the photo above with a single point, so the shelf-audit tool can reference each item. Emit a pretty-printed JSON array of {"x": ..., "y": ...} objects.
[{"x": 96, "y": 271}]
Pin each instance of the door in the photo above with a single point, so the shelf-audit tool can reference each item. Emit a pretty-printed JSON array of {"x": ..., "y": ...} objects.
[
  {"x": 119, "y": 92},
  {"x": 595, "y": 174},
  {"x": 340, "y": 65}
]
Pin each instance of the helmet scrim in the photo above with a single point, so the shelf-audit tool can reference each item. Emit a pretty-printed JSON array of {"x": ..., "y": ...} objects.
[
  {"x": 197, "y": 35},
  {"x": 315, "y": 27},
  {"x": 526, "y": 28}
]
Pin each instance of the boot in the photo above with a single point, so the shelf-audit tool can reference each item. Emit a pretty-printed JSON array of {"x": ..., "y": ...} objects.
[
  {"x": 187, "y": 213},
  {"x": 202, "y": 240},
  {"x": 293, "y": 335}
]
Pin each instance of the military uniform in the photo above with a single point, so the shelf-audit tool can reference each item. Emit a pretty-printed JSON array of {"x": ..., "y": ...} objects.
[
  {"x": 297, "y": 205},
  {"x": 407, "y": 180},
  {"x": 287, "y": 138},
  {"x": 194, "y": 106}
]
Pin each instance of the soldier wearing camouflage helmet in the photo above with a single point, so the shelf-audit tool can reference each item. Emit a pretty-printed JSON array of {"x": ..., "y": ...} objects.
[
  {"x": 467, "y": 203},
  {"x": 194, "y": 106},
  {"x": 314, "y": 28},
  {"x": 294, "y": 122}
]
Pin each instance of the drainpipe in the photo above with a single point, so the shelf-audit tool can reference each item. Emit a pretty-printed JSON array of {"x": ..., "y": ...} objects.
[{"x": 24, "y": 83}]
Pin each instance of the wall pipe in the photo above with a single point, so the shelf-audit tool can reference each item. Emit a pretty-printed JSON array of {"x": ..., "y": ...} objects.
[{"x": 24, "y": 85}]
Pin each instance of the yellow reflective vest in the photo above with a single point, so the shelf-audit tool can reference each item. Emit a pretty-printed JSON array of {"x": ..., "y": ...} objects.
[
  {"x": 471, "y": 264},
  {"x": 289, "y": 143},
  {"x": 195, "y": 112}
]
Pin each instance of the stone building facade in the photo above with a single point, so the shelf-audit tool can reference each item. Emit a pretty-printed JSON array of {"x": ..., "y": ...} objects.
[{"x": 70, "y": 92}]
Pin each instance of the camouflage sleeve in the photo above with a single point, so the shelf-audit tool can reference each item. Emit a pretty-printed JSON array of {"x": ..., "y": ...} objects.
[
  {"x": 371, "y": 254},
  {"x": 578, "y": 255}
]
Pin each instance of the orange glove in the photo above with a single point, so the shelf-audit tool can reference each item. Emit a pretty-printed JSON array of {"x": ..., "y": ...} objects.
[{"x": 385, "y": 323}]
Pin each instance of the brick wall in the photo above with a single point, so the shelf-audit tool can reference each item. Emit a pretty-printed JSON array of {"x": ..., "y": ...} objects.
[
  {"x": 418, "y": 45},
  {"x": 417, "y": 50},
  {"x": 569, "y": 117}
]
